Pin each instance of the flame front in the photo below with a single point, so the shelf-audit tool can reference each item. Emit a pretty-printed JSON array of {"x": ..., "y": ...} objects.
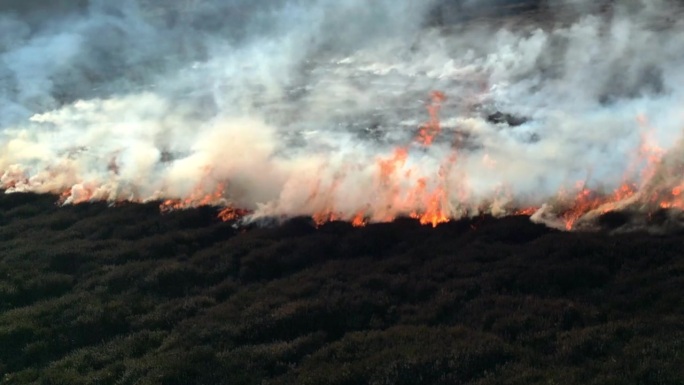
[
  {"x": 397, "y": 186},
  {"x": 380, "y": 112}
]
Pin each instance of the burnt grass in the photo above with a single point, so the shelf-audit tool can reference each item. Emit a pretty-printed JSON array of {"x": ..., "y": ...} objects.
[{"x": 92, "y": 294}]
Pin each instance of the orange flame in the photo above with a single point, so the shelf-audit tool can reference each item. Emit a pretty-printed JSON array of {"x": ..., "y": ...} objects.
[
  {"x": 198, "y": 197},
  {"x": 231, "y": 214},
  {"x": 404, "y": 190},
  {"x": 359, "y": 219},
  {"x": 390, "y": 172},
  {"x": 428, "y": 131},
  {"x": 81, "y": 193},
  {"x": 587, "y": 200},
  {"x": 527, "y": 211},
  {"x": 389, "y": 166}
]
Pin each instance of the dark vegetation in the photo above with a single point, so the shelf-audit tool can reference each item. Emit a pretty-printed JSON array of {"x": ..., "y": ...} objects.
[{"x": 123, "y": 295}]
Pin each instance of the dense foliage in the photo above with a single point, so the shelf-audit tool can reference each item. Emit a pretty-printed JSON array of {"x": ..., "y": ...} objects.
[{"x": 123, "y": 295}]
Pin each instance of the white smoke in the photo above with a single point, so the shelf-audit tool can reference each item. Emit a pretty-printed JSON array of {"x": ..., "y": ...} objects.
[{"x": 292, "y": 107}]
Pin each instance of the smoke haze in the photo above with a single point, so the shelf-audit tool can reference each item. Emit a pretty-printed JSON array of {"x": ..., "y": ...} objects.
[{"x": 321, "y": 107}]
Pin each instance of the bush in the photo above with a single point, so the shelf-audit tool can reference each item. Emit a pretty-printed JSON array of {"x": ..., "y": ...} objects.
[{"x": 186, "y": 299}]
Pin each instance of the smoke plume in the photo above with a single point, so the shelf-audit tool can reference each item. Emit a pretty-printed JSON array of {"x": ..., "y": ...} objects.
[{"x": 353, "y": 110}]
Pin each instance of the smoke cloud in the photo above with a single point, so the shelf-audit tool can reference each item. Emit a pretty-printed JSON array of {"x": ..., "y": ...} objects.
[{"x": 329, "y": 108}]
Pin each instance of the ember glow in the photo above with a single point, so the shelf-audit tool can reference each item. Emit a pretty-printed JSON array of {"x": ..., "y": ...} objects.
[{"x": 352, "y": 111}]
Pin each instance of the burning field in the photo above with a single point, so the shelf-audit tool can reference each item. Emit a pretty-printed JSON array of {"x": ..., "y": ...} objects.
[
  {"x": 343, "y": 192},
  {"x": 281, "y": 110}
]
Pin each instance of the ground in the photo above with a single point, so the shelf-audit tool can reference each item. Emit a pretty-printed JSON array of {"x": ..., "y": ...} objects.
[{"x": 92, "y": 294}]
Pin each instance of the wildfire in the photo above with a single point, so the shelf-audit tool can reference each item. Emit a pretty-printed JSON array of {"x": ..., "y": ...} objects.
[
  {"x": 393, "y": 177},
  {"x": 584, "y": 201},
  {"x": 433, "y": 215},
  {"x": 199, "y": 197},
  {"x": 13, "y": 179},
  {"x": 325, "y": 217},
  {"x": 649, "y": 158},
  {"x": 587, "y": 200},
  {"x": 196, "y": 198},
  {"x": 389, "y": 166},
  {"x": 527, "y": 211},
  {"x": 428, "y": 131},
  {"x": 230, "y": 214},
  {"x": 359, "y": 219},
  {"x": 400, "y": 185},
  {"x": 432, "y": 201},
  {"x": 673, "y": 199}
]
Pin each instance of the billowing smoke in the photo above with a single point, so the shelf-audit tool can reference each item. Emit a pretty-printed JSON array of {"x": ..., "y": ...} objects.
[{"x": 355, "y": 110}]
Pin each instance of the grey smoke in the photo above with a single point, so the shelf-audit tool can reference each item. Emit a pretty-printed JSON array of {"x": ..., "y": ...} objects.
[{"x": 290, "y": 99}]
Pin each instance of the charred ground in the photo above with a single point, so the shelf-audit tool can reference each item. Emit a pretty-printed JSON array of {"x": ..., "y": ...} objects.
[{"x": 92, "y": 294}]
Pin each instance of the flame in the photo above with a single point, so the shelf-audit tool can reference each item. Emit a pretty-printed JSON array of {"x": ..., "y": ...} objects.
[
  {"x": 673, "y": 199},
  {"x": 399, "y": 188},
  {"x": 359, "y": 219},
  {"x": 433, "y": 214},
  {"x": 527, "y": 211},
  {"x": 389, "y": 166},
  {"x": 84, "y": 192},
  {"x": 585, "y": 201},
  {"x": 648, "y": 157},
  {"x": 14, "y": 179},
  {"x": 230, "y": 214},
  {"x": 428, "y": 131},
  {"x": 324, "y": 217},
  {"x": 393, "y": 177},
  {"x": 196, "y": 198},
  {"x": 433, "y": 202},
  {"x": 199, "y": 197}
]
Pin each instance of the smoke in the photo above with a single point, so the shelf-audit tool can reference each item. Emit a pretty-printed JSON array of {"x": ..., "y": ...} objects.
[{"x": 317, "y": 107}]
